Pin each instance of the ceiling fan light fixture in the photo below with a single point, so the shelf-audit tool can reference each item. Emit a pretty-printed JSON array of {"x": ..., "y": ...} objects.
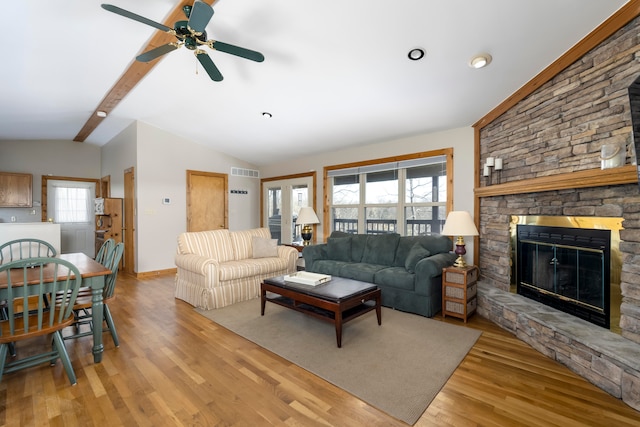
[
  {"x": 101, "y": 113},
  {"x": 416, "y": 54},
  {"x": 480, "y": 61}
]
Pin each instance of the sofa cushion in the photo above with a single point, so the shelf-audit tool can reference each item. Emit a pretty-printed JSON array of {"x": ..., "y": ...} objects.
[
  {"x": 404, "y": 247},
  {"x": 242, "y": 241},
  {"x": 395, "y": 277},
  {"x": 360, "y": 271},
  {"x": 358, "y": 243},
  {"x": 381, "y": 249},
  {"x": 416, "y": 253},
  {"x": 214, "y": 244},
  {"x": 234, "y": 270},
  {"x": 437, "y": 243},
  {"x": 337, "y": 233},
  {"x": 339, "y": 248},
  {"x": 330, "y": 267},
  {"x": 264, "y": 248}
]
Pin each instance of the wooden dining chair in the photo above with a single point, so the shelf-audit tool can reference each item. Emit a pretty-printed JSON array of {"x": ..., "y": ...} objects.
[
  {"x": 82, "y": 307},
  {"x": 25, "y": 279},
  {"x": 25, "y": 248},
  {"x": 21, "y": 249}
]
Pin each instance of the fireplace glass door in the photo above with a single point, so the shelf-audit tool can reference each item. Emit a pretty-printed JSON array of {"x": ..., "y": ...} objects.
[
  {"x": 566, "y": 268},
  {"x": 566, "y": 272}
]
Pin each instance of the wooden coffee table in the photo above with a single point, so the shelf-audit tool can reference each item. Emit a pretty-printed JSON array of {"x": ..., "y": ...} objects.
[{"x": 337, "y": 301}]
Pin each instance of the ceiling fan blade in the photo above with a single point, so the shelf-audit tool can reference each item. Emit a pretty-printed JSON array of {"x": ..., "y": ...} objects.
[
  {"x": 200, "y": 16},
  {"x": 131, "y": 15},
  {"x": 237, "y": 51},
  {"x": 208, "y": 65},
  {"x": 152, "y": 54}
]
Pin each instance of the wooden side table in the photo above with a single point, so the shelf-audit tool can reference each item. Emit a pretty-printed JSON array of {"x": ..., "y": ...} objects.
[
  {"x": 459, "y": 291},
  {"x": 300, "y": 262}
]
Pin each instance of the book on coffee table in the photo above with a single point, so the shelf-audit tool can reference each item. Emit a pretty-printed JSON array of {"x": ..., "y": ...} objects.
[{"x": 307, "y": 278}]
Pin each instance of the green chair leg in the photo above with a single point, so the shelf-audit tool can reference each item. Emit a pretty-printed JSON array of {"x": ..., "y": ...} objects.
[
  {"x": 111, "y": 326},
  {"x": 64, "y": 356},
  {"x": 3, "y": 358}
]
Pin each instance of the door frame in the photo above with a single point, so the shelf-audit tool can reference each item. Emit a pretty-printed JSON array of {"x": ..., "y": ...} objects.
[
  {"x": 44, "y": 204},
  {"x": 105, "y": 187},
  {"x": 293, "y": 177},
  {"x": 129, "y": 226},
  {"x": 45, "y": 182}
]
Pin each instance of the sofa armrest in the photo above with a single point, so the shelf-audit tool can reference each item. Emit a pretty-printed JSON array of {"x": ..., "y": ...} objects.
[
  {"x": 429, "y": 268},
  {"x": 195, "y": 263},
  {"x": 291, "y": 254},
  {"x": 312, "y": 254}
]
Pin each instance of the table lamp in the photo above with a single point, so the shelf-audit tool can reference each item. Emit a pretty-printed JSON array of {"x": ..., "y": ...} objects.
[
  {"x": 459, "y": 223},
  {"x": 306, "y": 217}
]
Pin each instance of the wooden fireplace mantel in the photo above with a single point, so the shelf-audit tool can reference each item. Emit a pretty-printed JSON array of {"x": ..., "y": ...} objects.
[{"x": 587, "y": 178}]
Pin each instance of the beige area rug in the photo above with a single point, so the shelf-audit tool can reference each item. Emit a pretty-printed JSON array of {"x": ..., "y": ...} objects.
[{"x": 398, "y": 367}]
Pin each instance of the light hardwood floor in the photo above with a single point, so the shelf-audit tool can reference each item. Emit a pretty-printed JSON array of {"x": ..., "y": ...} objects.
[{"x": 174, "y": 367}]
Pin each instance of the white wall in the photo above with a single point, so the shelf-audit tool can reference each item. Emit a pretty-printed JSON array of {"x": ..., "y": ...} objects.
[
  {"x": 161, "y": 171},
  {"x": 162, "y": 159},
  {"x": 461, "y": 140},
  {"x": 37, "y": 230},
  {"x": 48, "y": 157},
  {"x": 117, "y": 156}
]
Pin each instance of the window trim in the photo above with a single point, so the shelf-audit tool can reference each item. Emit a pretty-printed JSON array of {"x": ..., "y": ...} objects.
[{"x": 327, "y": 171}]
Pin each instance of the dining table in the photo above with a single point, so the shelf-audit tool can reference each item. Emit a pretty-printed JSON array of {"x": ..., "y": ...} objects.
[{"x": 93, "y": 275}]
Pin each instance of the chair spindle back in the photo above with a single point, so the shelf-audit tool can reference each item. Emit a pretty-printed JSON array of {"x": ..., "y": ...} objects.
[{"x": 25, "y": 248}]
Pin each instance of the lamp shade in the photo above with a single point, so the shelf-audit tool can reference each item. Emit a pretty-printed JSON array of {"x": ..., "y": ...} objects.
[
  {"x": 307, "y": 216},
  {"x": 459, "y": 223}
]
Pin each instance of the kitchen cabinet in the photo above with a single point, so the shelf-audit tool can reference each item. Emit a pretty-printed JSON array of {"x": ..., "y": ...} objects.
[{"x": 16, "y": 190}]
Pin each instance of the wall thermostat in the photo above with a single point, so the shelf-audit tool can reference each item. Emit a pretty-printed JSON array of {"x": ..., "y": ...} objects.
[{"x": 166, "y": 201}]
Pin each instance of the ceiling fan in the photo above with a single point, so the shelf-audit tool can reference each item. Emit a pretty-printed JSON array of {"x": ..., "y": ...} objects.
[{"x": 192, "y": 35}]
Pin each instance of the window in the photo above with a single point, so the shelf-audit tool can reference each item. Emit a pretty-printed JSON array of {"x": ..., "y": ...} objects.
[
  {"x": 72, "y": 204},
  {"x": 409, "y": 196}
]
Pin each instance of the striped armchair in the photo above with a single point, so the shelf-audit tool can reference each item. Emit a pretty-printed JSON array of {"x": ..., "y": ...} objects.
[{"x": 220, "y": 267}]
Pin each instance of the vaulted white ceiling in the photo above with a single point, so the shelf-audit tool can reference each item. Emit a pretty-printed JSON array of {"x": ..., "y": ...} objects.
[{"x": 336, "y": 72}]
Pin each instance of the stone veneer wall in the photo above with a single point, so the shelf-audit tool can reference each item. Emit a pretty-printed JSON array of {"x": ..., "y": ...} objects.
[{"x": 559, "y": 129}]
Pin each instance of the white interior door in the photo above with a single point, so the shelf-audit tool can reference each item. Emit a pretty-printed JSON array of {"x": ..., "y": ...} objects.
[
  {"x": 70, "y": 204},
  {"x": 283, "y": 200}
]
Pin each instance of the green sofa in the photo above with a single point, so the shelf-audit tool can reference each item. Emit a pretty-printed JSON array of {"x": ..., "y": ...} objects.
[{"x": 408, "y": 269}]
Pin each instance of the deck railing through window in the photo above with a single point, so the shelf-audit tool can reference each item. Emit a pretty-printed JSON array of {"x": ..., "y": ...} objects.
[{"x": 415, "y": 227}]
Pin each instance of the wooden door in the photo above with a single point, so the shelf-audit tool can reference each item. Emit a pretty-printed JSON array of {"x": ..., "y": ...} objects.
[
  {"x": 207, "y": 201},
  {"x": 129, "y": 221}
]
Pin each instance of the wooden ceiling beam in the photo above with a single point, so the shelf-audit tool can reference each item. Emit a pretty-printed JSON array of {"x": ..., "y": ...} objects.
[{"x": 135, "y": 72}]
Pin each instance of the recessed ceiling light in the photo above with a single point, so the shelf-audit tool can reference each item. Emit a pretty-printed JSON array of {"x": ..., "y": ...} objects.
[
  {"x": 101, "y": 113},
  {"x": 267, "y": 114},
  {"x": 480, "y": 61},
  {"x": 416, "y": 54}
]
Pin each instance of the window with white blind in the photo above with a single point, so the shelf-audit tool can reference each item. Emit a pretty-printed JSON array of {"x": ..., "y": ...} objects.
[
  {"x": 72, "y": 204},
  {"x": 409, "y": 196}
]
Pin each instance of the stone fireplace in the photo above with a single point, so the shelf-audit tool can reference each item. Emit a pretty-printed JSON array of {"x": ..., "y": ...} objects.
[
  {"x": 608, "y": 359},
  {"x": 549, "y": 136}
]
